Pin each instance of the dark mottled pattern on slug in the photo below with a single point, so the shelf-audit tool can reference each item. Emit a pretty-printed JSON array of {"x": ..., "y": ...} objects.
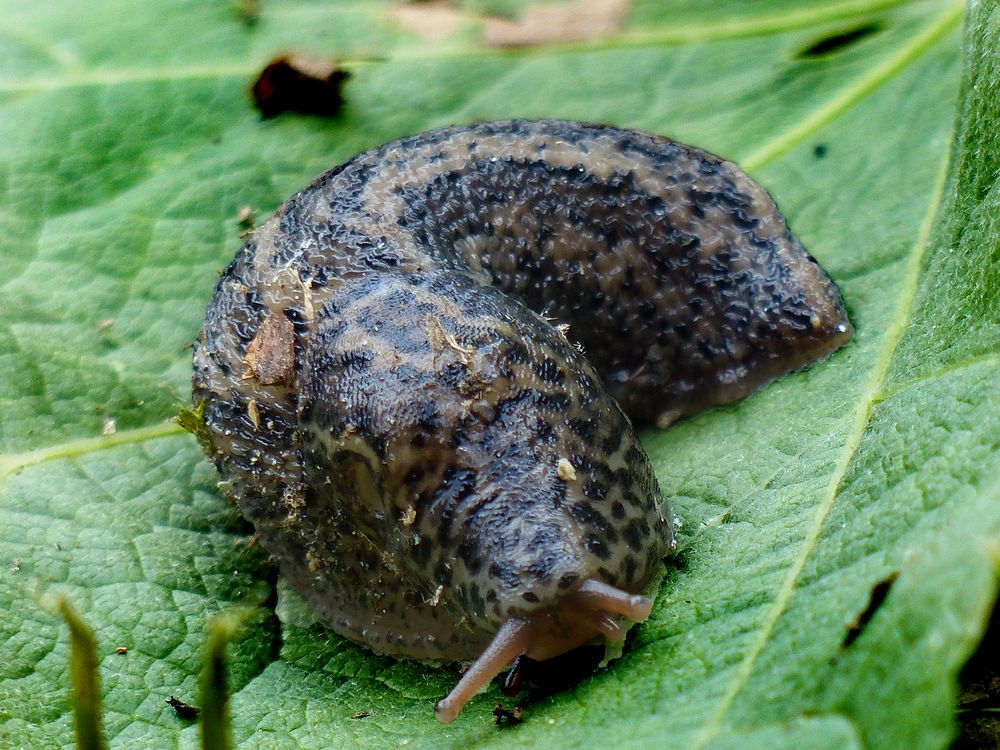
[{"x": 447, "y": 454}]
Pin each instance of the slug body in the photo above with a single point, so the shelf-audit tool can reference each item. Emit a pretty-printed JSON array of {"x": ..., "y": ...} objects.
[{"x": 394, "y": 385}]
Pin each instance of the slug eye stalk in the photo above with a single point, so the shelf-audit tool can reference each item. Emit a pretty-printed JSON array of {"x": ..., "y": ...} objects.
[{"x": 593, "y": 610}]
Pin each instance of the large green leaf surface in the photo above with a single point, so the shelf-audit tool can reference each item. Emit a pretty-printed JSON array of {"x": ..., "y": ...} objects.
[{"x": 128, "y": 146}]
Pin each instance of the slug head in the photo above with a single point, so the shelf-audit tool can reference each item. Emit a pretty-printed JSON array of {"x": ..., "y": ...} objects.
[
  {"x": 477, "y": 451},
  {"x": 594, "y": 609}
]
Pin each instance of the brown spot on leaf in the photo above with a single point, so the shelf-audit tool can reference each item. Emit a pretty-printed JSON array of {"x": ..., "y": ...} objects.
[
  {"x": 298, "y": 82},
  {"x": 544, "y": 23},
  {"x": 541, "y": 23},
  {"x": 433, "y": 21},
  {"x": 246, "y": 220},
  {"x": 249, "y": 10},
  {"x": 271, "y": 355}
]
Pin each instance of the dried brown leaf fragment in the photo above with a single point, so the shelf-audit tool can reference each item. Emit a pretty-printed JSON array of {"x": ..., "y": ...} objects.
[
  {"x": 541, "y": 23},
  {"x": 300, "y": 82},
  {"x": 270, "y": 357}
]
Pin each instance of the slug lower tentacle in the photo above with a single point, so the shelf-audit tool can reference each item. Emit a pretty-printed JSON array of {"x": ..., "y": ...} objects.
[
  {"x": 416, "y": 375},
  {"x": 591, "y": 610}
]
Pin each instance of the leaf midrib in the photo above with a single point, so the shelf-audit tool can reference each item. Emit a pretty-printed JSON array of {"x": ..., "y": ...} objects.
[{"x": 871, "y": 394}]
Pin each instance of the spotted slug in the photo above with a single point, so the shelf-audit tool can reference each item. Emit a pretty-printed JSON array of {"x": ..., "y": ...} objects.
[{"x": 419, "y": 377}]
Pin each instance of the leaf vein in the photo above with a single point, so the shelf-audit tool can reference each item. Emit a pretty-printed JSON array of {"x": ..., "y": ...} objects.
[
  {"x": 855, "y": 92},
  {"x": 675, "y": 35},
  {"x": 14, "y": 462},
  {"x": 982, "y": 359},
  {"x": 894, "y": 332}
]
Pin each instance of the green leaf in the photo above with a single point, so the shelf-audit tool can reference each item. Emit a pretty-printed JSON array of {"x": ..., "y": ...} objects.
[{"x": 128, "y": 146}]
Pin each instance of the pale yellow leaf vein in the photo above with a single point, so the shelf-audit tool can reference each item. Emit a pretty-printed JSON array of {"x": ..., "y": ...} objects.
[
  {"x": 715, "y": 31},
  {"x": 858, "y": 90},
  {"x": 14, "y": 462},
  {"x": 868, "y": 398},
  {"x": 31, "y": 39},
  {"x": 990, "y": 359},
  {"x": 723, "y": 29},
  {"x": 105, "y": 78}
]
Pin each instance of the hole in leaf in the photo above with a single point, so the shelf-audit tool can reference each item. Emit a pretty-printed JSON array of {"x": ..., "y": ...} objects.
[
  {"x": 835, "y": 43},
  {"x": 507, "y": 717},
  {"x": 879, "y": 592}
]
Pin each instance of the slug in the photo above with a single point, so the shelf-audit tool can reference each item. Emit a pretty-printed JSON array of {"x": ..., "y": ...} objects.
[{"x": 419, "y": 377}]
